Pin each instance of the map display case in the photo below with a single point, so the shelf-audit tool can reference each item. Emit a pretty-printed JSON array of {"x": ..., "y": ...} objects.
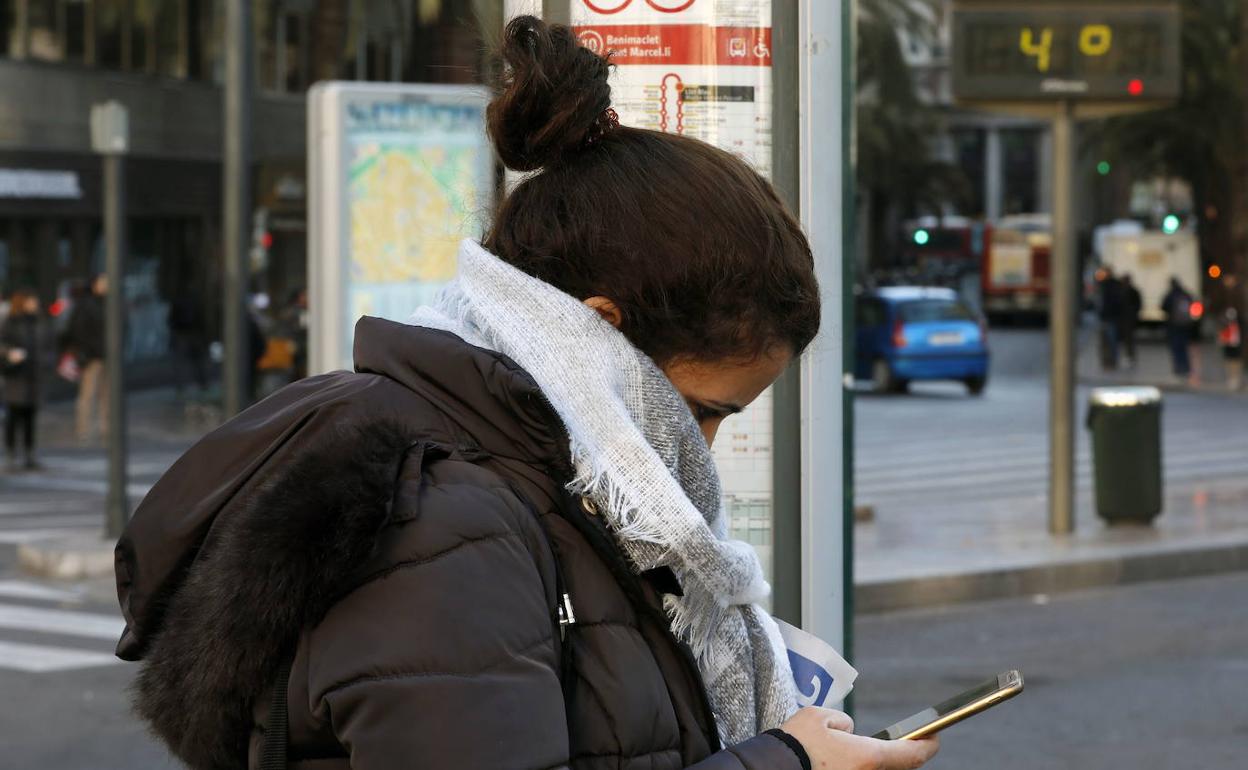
[{"x": 398, "y": 175}]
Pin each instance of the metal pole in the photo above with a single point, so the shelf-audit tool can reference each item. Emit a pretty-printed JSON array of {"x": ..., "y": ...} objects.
[
  {"x": 118, "y": 506},
  {"x": 786, "y": 403},
  {"x": 825, "y": 79},
  {"x": 1062, "y": 329},
  {"x": 237, "y": 203}
]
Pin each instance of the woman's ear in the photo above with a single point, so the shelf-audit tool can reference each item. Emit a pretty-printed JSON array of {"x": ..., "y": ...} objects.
[{"x": 607, "y": 309}]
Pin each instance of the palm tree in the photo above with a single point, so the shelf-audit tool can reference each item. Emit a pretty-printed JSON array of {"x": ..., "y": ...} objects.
[
  {"x": 1199, "y": 139},
  {"x": 898, "y": 175}
]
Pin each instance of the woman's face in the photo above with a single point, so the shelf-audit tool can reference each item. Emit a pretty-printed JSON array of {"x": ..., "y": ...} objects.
[
  {"x": 714, "y": 390},
  {"x": 717, "y": 390}
]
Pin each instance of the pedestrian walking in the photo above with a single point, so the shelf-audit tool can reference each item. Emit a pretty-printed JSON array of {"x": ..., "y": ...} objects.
[
  {"x": 1110, "y": 313},
  {"x": 1177, "y": 305},
  {"x": 188, "y": 341},
  {"x": 1231, "y": 341},
  {"x": 85, "y": 339},
  {"x": 1129, "y": 308},
  {"x": 294, "y": 322},
  {"x": 509, "y": 513},
  {"x": 21, "y": 347}
]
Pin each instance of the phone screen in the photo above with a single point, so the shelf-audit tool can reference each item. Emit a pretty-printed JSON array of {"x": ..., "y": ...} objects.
[{"x": 944, "y": 708}]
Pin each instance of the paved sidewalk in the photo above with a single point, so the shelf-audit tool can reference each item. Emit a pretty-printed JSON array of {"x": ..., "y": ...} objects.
[
  {"x": 1153, "y": 366},
  {"x": 959, "y": 488},
  {"x": 65, "y": 498}
]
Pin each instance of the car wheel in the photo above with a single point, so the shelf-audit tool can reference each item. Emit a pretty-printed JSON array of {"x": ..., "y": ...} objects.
[
  {"x": 975, "y": 385},
  {"x": 882, "y": 377}
]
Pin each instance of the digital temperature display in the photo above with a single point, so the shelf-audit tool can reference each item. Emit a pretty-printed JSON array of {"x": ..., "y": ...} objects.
[{"x": 1097, "y": 52}]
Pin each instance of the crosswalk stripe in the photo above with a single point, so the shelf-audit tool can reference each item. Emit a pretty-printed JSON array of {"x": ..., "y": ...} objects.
[
  {"x": 65, "y": 622},
  {"x": 19, "y": 536},
  {"x": 60, "y": 483},
  {"x": 47, "y": 521},
  {"x": 957, "y": 472},
  {"x": 886, "y": 457},
  {"x": 40, "y": 659},
  {"x": 22, "y": 589},
  {"x": 29, "y": 507}
]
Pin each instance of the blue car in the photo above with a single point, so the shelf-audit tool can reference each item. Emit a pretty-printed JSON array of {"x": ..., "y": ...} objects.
[{"x": 906, "y": 334}]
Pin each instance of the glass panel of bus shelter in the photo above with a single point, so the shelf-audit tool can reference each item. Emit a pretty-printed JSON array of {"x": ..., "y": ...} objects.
[{"x": 702, "y": 69}]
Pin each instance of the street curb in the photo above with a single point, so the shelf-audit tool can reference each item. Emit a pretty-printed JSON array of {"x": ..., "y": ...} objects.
[
  {"x": 1166, "y": 386},
  {"x": 67, "y": 557},
  {"x": 909, "y": 593}
]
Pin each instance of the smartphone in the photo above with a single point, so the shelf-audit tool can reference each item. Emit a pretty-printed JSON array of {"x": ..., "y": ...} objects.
[{"x": 932, "y": 720}]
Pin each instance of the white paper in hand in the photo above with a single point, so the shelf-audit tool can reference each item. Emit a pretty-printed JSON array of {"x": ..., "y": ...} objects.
[{"x": 823, "y": 677}]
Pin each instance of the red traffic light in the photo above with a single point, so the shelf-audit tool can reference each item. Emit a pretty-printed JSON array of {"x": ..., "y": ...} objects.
[{"x": 1135, "y": 87}]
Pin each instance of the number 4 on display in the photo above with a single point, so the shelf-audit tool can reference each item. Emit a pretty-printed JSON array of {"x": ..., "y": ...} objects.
[{"x": 1094, "y": 40}]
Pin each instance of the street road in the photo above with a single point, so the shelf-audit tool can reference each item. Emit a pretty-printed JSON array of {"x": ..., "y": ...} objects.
[
  {"x": 1149, "y": 677},
  {"x": 940, "y": 448}
]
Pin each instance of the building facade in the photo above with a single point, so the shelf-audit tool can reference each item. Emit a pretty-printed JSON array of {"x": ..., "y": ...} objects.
[
  {"x": 1006, "y": 160},
  {"x": 163, "y": 59}
]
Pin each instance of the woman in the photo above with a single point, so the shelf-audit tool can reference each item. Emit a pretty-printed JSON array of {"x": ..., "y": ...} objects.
[
  {"x": 19, "y": 352},
  {"x": 500, "y": 542}
]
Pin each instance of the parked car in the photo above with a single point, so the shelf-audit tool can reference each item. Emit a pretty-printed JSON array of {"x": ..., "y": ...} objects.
[{"x": 910, "y": 333}]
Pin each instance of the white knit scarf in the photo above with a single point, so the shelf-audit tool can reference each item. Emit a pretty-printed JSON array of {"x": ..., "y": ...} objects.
[{"x": 639, "y": 455}]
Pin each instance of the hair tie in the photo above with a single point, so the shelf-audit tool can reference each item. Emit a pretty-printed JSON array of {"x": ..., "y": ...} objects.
[{"x": 606, "y": 122}]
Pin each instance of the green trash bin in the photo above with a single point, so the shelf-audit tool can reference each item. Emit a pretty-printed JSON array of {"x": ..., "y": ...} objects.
[{"x": 1126, "y": 453}]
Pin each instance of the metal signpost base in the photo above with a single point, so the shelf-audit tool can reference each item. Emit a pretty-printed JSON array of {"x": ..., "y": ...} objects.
[
  {"x": 237, "y": 205},
  {"x": 1062, "y": 328},
  {"x": 118, "y": 505}
]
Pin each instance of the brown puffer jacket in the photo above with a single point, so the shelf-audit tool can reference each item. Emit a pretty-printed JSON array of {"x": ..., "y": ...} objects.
[{"x": 403, "y": 536}]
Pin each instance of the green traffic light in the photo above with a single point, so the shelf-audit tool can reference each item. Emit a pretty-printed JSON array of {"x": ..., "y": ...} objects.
[
  {"x": 921, "y": 237},
  {"x": 1170, "y": 225},
  {"x": 1103, "y": 168}
]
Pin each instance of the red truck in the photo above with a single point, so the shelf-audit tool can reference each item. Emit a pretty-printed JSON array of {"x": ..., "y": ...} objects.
[{"x": 1015, "y": 268}]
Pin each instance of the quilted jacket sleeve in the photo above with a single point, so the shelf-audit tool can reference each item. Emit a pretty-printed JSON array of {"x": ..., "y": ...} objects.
[
  {"x": 762, "y": 752},
  {"x": 447, "y": 657}
]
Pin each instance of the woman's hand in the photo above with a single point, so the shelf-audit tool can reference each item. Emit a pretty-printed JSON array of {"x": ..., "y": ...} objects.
[{"x": 828, "y": 737}]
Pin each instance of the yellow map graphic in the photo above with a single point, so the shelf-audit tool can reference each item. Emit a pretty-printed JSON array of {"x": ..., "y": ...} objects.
[{"x": 410, "y": 207}]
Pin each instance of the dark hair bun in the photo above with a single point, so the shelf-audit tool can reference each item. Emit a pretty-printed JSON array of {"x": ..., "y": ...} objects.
[{"x": 552, "y": 95}]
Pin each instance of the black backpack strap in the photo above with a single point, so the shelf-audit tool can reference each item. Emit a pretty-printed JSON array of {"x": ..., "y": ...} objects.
[{"x": 276, "y": 737}]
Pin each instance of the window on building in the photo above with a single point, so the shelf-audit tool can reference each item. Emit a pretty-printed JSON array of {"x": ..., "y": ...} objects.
[
  {"x": 170, "y": 38},
  {"x": 1020, "y": 151},
  {"x": 44, "y": 39},
  {"x": 9, "y": 45},
  {"x": 142, "y": 28},
  {"x": 293, "y": 68},
  {"x": 75, "y": 15},
  {"x": 204, "y": 29},
  {"x": 110, "y": 18},
  {"x": 265, "y": 18}
]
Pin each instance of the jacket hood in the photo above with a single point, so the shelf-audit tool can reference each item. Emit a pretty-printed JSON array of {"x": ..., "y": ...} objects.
[{"x": 253, "y": 534}]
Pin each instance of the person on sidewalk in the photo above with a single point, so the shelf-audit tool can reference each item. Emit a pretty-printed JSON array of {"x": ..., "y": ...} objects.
[
  {"x": 1177, "y": 305},
  {"x": 508, "y": 513},
  {"x": 85, "y": 339},
  {"x": 1128, "y": 317},
  {"x": 1110, "y": 313},
  {"x": 1231, "y": 341},
  {"x": 188, "y": 341},
  {"x": 21, "y": 345}
]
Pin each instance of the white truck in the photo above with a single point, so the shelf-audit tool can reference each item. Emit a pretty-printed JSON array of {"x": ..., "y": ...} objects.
[{"x": 1152, "y": 258}]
